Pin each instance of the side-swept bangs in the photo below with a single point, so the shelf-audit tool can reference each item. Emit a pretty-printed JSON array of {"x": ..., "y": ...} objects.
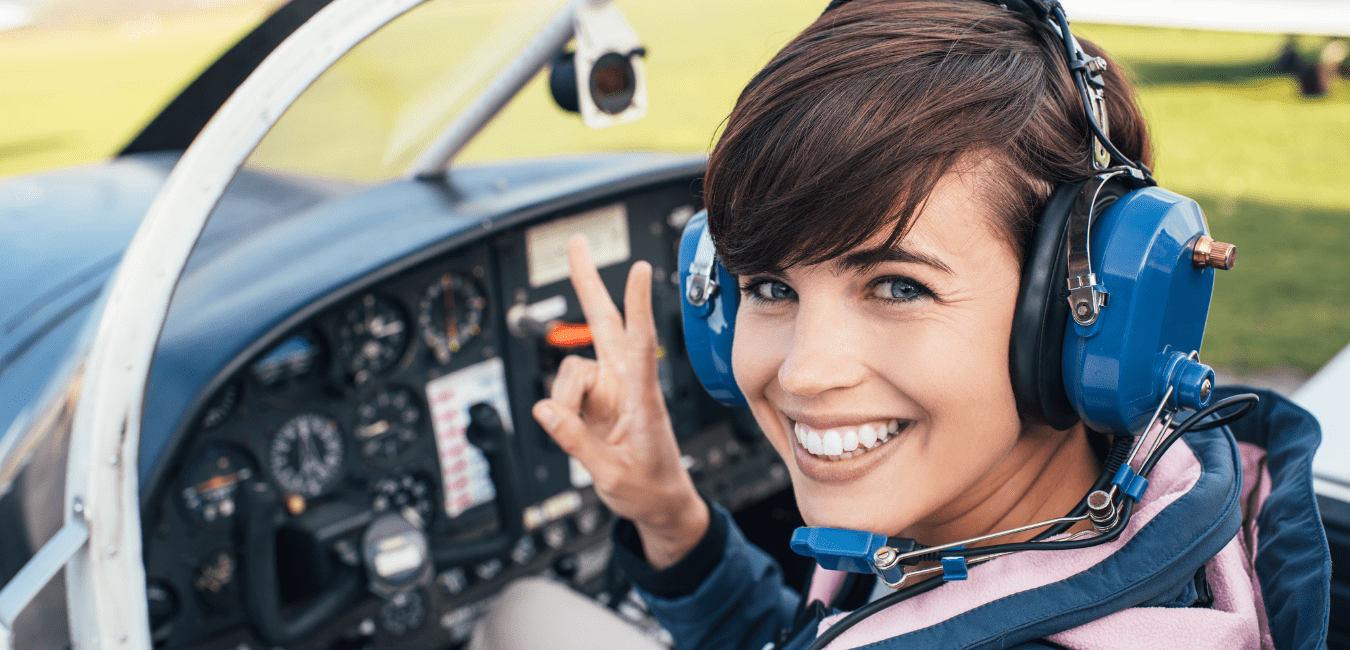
[{"x": 848, "y": 129}]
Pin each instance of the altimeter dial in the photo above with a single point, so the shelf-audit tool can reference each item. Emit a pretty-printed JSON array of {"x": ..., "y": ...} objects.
[
  {"x": 306, "y": 455},
  {"x": 372, "y": 335}
]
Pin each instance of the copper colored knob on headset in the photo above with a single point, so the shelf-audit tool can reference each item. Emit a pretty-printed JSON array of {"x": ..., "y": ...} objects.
[{"x": 1213, "y": 254}]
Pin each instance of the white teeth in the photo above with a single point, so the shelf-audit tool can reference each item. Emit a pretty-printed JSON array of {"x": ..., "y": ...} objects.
[
  {"x": 867, "y": 436},
  {"x": 831, "y": 443},
  {"x": 850, "y": 441},
  {"x": 845, "y": 442}
]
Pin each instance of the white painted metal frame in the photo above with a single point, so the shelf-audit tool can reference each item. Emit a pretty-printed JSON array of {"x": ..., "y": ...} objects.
[
  {"x": 105, "y": 577},
  {"x": 533, "y": 57}
]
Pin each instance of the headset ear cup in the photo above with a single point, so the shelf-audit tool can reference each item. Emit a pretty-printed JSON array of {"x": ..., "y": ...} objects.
[
  {"x": 709, "y": 316},
  {"x": 1041, "y": 316}
]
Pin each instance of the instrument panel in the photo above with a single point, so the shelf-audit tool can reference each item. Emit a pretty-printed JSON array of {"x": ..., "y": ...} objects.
[{"x": 373, "y": 477}]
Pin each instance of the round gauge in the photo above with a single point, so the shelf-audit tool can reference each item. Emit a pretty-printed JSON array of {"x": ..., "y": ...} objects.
[
  {"x": 404, "y": 611},
  {"x": 208, "y": 485},
  {"x": 221, "y": 406},
  {"x": 289, "y": 362},
  {"x": 372, "y": 335},
  {"x": 450, "y": 314},
  {"x": 388, "y": 423},
  {"x": 306, "y": 454},
  {"x": 412, "y": 491}
]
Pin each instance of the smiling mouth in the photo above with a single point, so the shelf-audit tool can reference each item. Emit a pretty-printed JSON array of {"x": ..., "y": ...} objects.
[{"x": 842, "y": 443}]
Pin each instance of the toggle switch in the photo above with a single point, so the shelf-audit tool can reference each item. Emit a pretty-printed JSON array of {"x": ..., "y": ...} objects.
[{"x": 568, "y": 335}]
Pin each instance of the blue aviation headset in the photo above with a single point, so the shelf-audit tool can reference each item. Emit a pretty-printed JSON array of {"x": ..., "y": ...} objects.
[{"x": 1130, "y": 263}]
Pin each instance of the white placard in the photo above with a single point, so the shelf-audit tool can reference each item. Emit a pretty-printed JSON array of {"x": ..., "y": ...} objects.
[
  {"x": 606, "y": 230},
  {"x": 464, "y": 470}
]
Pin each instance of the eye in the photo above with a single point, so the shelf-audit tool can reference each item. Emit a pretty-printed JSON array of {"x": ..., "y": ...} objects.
[
  {"x": 768, "y": 290},
  {"x": 900, "y": 289}
]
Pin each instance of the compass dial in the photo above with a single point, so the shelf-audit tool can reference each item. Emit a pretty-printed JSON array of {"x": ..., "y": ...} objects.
[
  {"x": 450, "y": 314},
  {"x": 306, "y": 454}
]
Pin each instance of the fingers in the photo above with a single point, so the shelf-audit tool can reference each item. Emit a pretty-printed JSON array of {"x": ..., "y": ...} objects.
[
  {"x": 576, "y": 376},
  {"x": 601, "y": 315},
  {"x": 567, "y": 429},
  {"x": 641, "y": 324}
]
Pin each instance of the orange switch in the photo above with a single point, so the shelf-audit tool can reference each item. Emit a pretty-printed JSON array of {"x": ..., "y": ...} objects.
[{"x": 569, "y": 335}]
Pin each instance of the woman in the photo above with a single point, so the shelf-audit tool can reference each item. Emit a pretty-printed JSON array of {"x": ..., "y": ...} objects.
[{"x": 874, "y": 192}]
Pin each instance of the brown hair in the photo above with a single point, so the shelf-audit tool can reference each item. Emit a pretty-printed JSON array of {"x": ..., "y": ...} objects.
[{"x": 848, "y": 129}]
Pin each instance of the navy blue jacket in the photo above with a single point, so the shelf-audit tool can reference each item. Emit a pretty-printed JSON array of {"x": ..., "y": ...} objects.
[{"x": 738, "y": 600}]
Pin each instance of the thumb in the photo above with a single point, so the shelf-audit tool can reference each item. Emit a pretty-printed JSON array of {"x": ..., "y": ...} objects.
[{"x": 566, "y": 429}]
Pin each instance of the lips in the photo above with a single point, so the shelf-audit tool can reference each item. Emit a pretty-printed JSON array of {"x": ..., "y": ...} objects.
[{"x": 842, "y": 443}]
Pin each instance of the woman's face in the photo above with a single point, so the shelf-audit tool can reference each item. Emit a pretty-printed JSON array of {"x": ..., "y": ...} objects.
[{"x": 886, "y": 389}]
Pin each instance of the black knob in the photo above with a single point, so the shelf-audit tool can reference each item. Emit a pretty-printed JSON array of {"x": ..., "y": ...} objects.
[{"x": 485, "y": 430}]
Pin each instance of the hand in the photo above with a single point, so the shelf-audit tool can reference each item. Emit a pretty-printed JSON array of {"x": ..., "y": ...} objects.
[{"x": 609, "y": 414}]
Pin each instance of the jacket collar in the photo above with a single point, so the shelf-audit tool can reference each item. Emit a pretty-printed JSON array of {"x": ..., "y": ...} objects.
[{"x": 1189, "y": 513}]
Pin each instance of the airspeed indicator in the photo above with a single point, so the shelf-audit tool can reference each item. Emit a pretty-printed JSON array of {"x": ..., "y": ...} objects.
[{"x": 306, "y": 454}]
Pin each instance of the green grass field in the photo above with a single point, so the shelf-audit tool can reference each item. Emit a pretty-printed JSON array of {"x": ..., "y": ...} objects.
[{"x": 1265, "y": 164}]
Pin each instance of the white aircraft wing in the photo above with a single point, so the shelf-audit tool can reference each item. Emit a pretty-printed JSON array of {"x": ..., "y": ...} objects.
[
  {"x": 1327, "y": 396},
  {"x": 1326, "y": 17}
]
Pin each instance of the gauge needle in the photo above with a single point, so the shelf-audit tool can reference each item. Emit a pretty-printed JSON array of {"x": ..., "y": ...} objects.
[
  {"x": 448, "y": 296},
  {"x": 373, "y": 429},
  {"x": 217, "y": 482},
  {"x": 308, "y": 453},
  {"x": 380, "y": 329}
]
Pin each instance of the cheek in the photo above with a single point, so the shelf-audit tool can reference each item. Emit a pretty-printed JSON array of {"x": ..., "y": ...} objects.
[
  {"x": 966, "y": 388},
  {"x": 754, "y": 361},
  {"x": 757, "y": 352}
]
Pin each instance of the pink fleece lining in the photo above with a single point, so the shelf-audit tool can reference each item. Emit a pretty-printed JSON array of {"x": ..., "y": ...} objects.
[
  {"x": 1236, "y": 620},
  {"x": 1175, "y": 474},
  {"x": 825, "y": 584}
]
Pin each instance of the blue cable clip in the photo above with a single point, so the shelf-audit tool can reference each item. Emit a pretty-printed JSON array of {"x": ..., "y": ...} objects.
[
  {"x": 954, "y": 568},
  {"x": 1131, "y": 485}
]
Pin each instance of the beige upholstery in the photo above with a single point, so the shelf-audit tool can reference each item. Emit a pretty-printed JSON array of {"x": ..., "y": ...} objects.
[{"x": 540, "y": 614}]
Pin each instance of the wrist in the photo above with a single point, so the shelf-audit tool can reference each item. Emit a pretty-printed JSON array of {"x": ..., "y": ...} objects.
[{"x": 669, "y": 537}]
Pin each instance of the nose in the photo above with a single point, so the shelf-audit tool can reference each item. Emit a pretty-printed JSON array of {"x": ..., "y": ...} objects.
[{"x": 823, "y": 354}]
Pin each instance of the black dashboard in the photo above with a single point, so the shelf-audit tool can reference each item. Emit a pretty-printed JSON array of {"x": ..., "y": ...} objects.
[{"x": 366, "y": 473}]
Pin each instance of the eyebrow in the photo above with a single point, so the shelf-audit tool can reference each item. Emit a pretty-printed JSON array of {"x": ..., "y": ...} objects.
[{"x": 871, "y": 257}]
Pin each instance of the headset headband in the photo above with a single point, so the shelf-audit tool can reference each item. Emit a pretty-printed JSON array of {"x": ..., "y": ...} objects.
[{"x": 1086, "y": 72}]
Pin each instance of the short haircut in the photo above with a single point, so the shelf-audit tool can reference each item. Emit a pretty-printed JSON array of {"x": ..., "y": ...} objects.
[{"x": 848, "y": 129}]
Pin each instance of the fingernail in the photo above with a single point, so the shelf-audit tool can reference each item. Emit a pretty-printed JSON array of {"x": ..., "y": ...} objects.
[{"x": 546, "y": 416}]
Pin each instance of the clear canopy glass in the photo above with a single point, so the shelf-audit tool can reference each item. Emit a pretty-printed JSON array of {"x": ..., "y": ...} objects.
[{"x": 369, "y": 116}]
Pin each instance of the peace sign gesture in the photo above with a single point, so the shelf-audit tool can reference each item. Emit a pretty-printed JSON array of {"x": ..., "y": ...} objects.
[{"x": 610, "y": 415}]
